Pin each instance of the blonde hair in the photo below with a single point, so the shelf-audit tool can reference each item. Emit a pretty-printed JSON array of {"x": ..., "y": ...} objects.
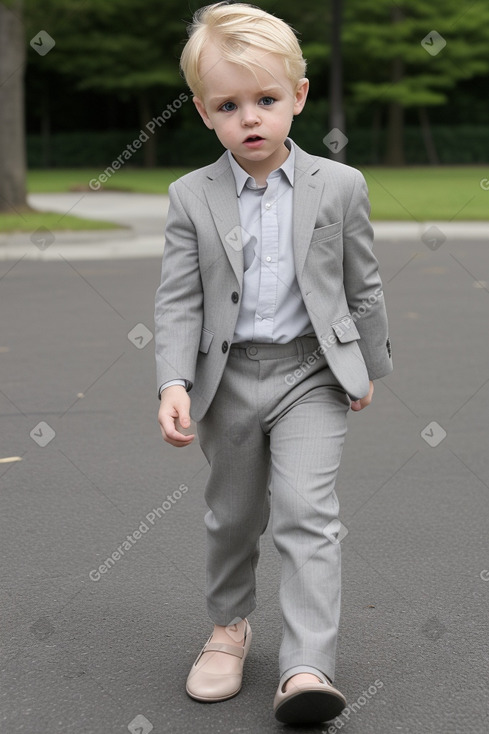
[{"x": 237, "y": 30}]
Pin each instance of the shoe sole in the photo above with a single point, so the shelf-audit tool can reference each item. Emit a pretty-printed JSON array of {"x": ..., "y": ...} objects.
[
  {"x": 201, "y": 699},
  {"x": 309, "y": 707}
]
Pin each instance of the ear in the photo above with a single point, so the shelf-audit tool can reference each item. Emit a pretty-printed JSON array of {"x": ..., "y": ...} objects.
[
  {"x": 301, "y": 95},
  {"x": 202, "y": 112}
]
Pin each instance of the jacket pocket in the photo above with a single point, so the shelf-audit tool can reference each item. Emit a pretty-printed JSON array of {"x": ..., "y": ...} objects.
[
  {"x": 325, "y": 233},
  {"x": 205, "y": 340},
  {"x": 345, "y": 329}
]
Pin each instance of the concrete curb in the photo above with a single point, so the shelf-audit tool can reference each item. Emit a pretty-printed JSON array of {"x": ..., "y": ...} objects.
[
  {"x": 94, "y": 247},
  {"x": 414, "y": 231}
]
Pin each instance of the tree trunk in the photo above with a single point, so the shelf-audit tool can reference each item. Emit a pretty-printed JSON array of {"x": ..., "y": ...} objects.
[
  {"x": 429, "y": 143},
  {"x": 45, "y": 128},
  {"x": 336, "y": 114},
  {"x": 149, "y": 147},
  {"x": 376, "y": 133},
  {"x": 12, "y": 133},
  {"x": 395, "y": 111}
]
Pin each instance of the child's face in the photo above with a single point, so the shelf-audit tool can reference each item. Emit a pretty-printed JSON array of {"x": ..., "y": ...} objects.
[{"x": 251, "y": 115}]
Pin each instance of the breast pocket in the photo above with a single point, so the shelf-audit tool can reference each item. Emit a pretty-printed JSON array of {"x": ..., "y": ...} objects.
[{"x": 322, "y": 234}]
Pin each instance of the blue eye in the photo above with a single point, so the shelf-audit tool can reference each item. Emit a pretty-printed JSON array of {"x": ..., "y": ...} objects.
[
  {"x": 267, "y": 101},
  {"x": 228, "y": 106}
]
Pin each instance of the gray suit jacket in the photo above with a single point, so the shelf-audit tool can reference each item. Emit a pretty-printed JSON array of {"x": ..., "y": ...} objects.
[{"x": 197, "y": 302}]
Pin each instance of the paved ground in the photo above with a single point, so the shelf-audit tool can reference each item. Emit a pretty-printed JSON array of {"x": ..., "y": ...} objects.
[{"x": 90, "y": 654}]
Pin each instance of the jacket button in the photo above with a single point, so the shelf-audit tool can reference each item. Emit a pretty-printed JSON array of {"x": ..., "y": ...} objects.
[
  {"x": 235, "y": 297},
  {"x": 225, "y": 347}
]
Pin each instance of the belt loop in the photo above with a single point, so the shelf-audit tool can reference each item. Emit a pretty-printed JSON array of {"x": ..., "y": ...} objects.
[{"x": 300, "y": 350}]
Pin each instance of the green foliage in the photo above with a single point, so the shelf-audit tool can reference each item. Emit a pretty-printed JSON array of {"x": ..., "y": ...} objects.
[
  {"x": 376, "y": 38},
  {"x": 129, "y": 49},
  {"x": 111, "y": 45}
]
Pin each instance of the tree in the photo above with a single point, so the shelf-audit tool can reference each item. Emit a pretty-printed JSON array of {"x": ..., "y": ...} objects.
[
  {"x": 12, "y": 138},
  {"x": 399, "y": 70},
  {"x": 126, "y": 48}
]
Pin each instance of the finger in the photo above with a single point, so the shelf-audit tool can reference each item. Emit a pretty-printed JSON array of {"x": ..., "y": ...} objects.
[
  {"x": 176, "y": 438},
  {"x": 175, "y": 435},
  {"x": 184, "y": 419},
  {"x": 180, "y": 444},
  {"x": 170, "y": 432}
]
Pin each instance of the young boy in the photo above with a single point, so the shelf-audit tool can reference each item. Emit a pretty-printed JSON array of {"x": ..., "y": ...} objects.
[{"x": 270, "y": 326}]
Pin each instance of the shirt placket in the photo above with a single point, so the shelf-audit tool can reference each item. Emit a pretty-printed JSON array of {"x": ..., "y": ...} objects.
[{"x": 267, "y": 292}]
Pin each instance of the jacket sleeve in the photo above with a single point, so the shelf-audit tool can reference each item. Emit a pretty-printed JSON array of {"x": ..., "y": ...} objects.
[
  {"x": 363, "y": 286},
  {"x": 179, "y": 298}
]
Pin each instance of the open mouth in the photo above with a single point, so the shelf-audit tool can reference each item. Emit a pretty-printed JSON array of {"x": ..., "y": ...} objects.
[{"x": 253, "y": 139}]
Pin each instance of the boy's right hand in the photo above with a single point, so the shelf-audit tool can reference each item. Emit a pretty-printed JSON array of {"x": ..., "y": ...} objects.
[{"x": 175, "y": 407}]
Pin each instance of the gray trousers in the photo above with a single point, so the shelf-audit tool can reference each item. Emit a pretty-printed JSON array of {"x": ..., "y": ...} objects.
[{"x": 278, "y": 423}]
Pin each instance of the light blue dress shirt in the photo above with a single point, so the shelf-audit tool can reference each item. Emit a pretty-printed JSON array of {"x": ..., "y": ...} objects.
[{"x": 272, "y": 309}]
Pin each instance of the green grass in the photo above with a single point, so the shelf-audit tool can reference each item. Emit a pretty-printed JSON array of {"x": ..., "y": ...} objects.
[
  {"x": 28, "y": 220},
  {"x": 426, "y": 194},
  {"x": 141, "y": 180},
  {"x": 410, "y": 194}
]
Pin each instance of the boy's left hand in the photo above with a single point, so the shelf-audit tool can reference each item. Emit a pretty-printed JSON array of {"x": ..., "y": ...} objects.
[{"x": 363, "y": 402}]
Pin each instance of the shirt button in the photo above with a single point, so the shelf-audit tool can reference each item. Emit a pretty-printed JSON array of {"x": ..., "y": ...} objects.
[
  {"x": 268, "y": 259},
  {"x": 225, "y": 347},
  {"x": 234, "y": 297},
  {"x": 267, "y": 205}
]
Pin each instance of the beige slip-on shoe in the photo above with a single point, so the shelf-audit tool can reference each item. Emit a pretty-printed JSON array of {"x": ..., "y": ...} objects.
[
  {"x": 308, "y": 703},
  {"x": 209, "y": 687}
]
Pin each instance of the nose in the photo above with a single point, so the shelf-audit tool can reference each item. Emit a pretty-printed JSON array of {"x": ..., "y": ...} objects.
[{"x": 249, "y": 116}]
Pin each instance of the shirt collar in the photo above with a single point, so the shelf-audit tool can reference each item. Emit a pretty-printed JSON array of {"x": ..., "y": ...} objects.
[{"x": 242, "y": 177}]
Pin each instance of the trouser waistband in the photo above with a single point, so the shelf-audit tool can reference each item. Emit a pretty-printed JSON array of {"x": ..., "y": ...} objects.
[{"x": 297, "y": 347}]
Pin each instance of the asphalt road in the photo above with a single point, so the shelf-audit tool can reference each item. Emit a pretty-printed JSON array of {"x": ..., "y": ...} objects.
[{"x": 93, "y": 653}]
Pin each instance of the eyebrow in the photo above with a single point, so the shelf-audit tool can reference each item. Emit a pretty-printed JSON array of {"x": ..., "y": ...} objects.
[{"x": 224, "y": 97}]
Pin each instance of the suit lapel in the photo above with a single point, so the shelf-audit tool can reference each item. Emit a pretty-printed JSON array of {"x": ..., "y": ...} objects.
[
  {"x": 308, "y": 189},
  {"x": 220, "y": 192}
]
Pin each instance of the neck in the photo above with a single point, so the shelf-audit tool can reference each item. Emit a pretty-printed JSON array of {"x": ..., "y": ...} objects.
[{"x": 260, "y": 170}]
